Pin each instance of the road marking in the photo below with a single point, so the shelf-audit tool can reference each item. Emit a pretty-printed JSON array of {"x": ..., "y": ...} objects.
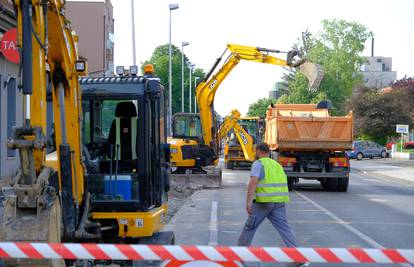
[
  {"x": 352, "y": 229},
  {"x": 213, "y": 224},
  {"x": 378, "y": 200}
]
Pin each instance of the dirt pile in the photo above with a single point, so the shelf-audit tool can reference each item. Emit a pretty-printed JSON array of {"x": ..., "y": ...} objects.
[{"x": 178, "y": 194}]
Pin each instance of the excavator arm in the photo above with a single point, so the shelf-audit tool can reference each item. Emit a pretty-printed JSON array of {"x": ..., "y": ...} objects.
[
  {"x": 230, "y": 122},
  {"x": 46, "y": 39},
  {"x": 206, "y": 90}
]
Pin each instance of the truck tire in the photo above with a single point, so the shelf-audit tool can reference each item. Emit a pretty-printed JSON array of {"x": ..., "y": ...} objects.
[
  {"x": 330, "y": 184},
  {"x": 230, "y": 165},
  {"x": 291, "y": 183},
  {"x": 359, "y": 156},
  {"x": 343, "y": 184}
]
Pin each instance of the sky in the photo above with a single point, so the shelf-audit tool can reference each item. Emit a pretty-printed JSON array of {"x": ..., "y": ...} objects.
[{"x": 208, "y": 25}]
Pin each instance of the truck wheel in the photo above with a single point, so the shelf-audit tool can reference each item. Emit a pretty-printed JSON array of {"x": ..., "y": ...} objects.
[
  {"x": 359, "y": 156},
  {"x": 291, "y": 183},
  {"x": 330, "y": 184},
  {"x": 230, "y": 165},
  {"x": 343, "y": 184}
]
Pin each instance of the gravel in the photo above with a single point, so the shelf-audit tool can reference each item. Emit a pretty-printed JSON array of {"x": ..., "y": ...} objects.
[{"x": 178, "y": 195}]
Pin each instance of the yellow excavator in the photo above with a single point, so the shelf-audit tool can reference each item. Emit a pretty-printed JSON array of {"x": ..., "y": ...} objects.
[
  {"x": 240, "y": 135},
  {"x": 109, "y": 179},
  {"x": 205, "y": 147}
]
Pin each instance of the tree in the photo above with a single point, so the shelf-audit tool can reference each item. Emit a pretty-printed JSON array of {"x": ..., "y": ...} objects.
[
  {"x": 259, "y": 108},
  {"x": 376, "y": 113},
  {"x": 337, "y": 49},
  {"x": 159, "y": 59}
]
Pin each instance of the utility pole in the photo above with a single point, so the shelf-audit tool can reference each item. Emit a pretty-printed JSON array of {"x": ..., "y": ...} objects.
[
  {"x": 172, "y": 7},
  {"x": 182, "y": 74},
  {"x": 190, "y": 91},
  {"x": 134, "y": 55}
]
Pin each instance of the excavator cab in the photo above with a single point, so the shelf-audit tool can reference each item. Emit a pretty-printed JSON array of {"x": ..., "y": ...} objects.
[
  {"x": 126, "y": 154},
  {"x": 188, "y": 151},
  {"x": 187, "y": 126}
]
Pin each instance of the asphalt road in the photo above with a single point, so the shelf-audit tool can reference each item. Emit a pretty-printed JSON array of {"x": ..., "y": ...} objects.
[{"x": 374, "y": 213}]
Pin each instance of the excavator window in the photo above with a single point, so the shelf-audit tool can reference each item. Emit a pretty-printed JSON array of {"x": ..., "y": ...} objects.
[
  {"x": 112, "y": 148},
  {"x": 187, "y": 126}
]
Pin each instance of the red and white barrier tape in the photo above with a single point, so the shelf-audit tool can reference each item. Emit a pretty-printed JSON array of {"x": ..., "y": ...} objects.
[{"x": 192, "y": 253}]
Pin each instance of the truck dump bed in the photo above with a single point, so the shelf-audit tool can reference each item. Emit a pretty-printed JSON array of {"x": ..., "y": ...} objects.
[{"x": 304, "y": 127}]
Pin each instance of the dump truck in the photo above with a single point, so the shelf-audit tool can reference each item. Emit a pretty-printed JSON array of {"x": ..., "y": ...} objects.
[{"x": 310, "y": 143}]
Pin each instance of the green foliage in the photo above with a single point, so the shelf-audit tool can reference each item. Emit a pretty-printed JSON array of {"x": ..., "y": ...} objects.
[
  {"x": 259, "y": 108},
  {"x": 159, "y": 59},
  {"x": 337, "y": 49},
  {"x": 377, "y": 113}
]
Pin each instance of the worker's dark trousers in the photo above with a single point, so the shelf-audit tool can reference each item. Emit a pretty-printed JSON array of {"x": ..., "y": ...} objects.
[{"x": 276, "y": 213}]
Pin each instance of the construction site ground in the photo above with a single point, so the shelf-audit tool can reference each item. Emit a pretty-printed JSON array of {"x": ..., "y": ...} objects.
[{"x": 374, "y": 213}]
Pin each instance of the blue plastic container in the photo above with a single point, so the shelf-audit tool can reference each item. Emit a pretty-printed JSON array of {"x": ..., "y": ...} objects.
[{"x": 123, "y": 186}]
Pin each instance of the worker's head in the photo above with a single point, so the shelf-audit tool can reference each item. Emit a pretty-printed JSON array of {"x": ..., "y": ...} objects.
[
  {"x": 262, "y": 150},
  {"x": 192, "y": 124}
]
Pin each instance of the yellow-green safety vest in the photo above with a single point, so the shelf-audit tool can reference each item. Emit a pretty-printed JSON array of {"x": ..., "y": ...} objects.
[
  {"x": 273, "y": 188},
  {"x": 133, "y": 137}
]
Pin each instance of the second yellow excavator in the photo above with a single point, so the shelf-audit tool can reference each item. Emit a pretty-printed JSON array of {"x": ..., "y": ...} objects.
[
  {"x": 206, "y": 146},
  {"x": 240, "y": 135}
]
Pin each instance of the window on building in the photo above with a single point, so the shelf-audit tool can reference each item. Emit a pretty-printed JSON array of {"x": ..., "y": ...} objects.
[
  {"x": 11, "y": 112},
  {"x": 383, "y": 67},
  {"x": 379, "y": 60}
]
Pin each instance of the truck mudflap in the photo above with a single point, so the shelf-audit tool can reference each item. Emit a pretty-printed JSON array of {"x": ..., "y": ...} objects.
[{"x": 316, "y": 175}]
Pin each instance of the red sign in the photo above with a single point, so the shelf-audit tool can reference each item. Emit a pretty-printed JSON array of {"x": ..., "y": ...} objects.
[{"x": 9, "y": 46}]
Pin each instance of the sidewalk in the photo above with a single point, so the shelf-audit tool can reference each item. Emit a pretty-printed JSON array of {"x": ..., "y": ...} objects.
[{"x": 386, "y": 168}]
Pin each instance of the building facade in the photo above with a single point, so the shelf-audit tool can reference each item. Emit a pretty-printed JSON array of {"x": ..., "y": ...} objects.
[
  {"x": 279, "y": 89},
  {"x": 93, "y": 22},
  {"x": 377, "y": 72},
  {"x": 11, "y": 112}
]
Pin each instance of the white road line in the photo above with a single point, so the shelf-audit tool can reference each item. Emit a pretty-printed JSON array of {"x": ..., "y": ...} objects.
[
  {"x": 352, "y": 229},
  {"x": 213, "y": 225}
]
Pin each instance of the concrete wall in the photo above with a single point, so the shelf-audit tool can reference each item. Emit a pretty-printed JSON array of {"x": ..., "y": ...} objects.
[
  {"x": 379, "y": 79},
  {"x": 94, "y": 24},
  {"x": 8, "y": 165},
  {"x": 377, "y": 72}
]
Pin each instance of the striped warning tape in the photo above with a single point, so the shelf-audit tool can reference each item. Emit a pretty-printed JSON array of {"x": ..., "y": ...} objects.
[{"x": 191, "y": 253}]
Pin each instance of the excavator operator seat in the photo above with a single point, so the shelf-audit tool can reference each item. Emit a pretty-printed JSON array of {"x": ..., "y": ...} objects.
[{"x": 123, "y": 133}]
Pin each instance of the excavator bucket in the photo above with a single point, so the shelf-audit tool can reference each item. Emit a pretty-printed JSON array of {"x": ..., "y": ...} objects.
[{"x": 313, "y": 72}]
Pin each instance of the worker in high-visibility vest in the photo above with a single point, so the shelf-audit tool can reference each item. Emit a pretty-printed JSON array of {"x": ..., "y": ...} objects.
[
  {"x": 192, "y": 131},
  {"x": 267, "y": 194}
]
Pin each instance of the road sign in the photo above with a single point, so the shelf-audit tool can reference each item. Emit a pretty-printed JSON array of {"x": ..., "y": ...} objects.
[
  {"x": 402, "y": 128},
  {"x": 8, "y": 46}
]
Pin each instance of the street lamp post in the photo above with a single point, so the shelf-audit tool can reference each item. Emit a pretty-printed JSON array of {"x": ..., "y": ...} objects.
[
  {"x": 182, "y": 74},
  {"x": 195, "y": 98},
  {"x": 134, "y": 54},
  {"x": 190, "y": 67},
  {"x": 172, "y": 7}
]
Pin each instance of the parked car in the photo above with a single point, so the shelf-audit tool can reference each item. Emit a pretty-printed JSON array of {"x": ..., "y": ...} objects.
[{"x": 367, "y": 149}]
